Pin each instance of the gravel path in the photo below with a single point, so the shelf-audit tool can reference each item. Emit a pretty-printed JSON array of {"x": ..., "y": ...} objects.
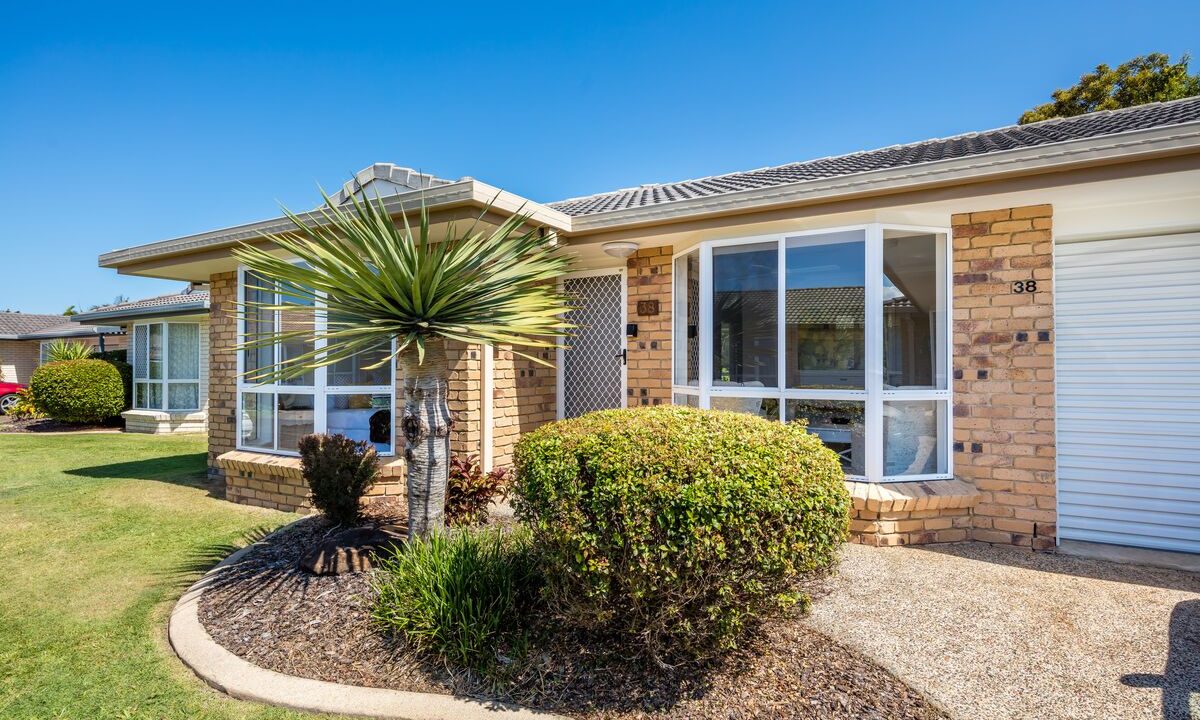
[{"x": 993, "y": 632}]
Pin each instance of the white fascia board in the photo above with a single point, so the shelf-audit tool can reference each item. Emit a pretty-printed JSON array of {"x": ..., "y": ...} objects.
[
  {"x": 467, "y": 191},
  {"x": 1057, "y": 156}
]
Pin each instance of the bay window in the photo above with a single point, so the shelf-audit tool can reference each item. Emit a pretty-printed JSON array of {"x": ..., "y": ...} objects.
[
  {"x": 166, "y": 366},
  {"x": 348, "y": 397},
  {"x": 845, "y": 329}
]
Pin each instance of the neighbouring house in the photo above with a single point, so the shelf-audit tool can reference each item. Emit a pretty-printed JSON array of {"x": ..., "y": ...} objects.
[
  {"x": 168, "y": 350},
  {"x": 25, "y": 339},
  {"x": 997, "y": 331}
]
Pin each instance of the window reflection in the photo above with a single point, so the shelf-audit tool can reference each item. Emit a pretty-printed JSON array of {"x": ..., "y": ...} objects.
[
  {"x": 361, "y": 417},
  {"x": 745, "y": 308},
  {"x": 839, "y": 424},
  {"x": 911, "y": 298},
  {"x": 826, "y": 311}
]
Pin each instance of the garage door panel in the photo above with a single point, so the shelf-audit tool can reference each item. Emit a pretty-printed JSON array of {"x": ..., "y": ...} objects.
[{"x": 1127, "y": 365}]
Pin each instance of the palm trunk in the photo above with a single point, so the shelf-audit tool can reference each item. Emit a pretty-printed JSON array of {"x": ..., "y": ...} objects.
[{"x": 426, "y": 426}]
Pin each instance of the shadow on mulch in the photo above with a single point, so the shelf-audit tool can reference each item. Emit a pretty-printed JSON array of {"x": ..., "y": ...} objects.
[{"x": 267, "y": 611}]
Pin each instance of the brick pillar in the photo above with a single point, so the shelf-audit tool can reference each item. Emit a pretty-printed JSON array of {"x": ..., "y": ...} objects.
[
  {"x": 649, "y": 369},
  {"x": 1004, "y": 372},
  {"x": 222, "y": 368}
]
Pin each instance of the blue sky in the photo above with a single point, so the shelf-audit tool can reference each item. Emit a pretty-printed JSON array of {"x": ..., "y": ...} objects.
[{"x": 121, "y": 124}]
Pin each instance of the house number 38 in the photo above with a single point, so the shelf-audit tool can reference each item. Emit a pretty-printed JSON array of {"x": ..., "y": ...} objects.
[{"x": 1024, "y": 286}]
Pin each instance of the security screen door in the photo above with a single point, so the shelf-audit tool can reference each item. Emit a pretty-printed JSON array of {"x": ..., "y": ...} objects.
[{"x": 592, "y": 360}]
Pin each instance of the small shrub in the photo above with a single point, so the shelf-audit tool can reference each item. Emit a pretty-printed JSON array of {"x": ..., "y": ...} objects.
[
  {"x": 461, "y": 596},
  {"x": 62, "y": 350},
  {"x": 25, "y": 408},
  {"x": 339, "y": 471},
  {"x": 675, "y": 528},
  {"x": 80, "y": 391},
  {"x": 469, "y": 490}
]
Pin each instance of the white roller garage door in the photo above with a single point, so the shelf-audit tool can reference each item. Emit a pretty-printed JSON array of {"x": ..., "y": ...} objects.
[{"x": 1127, "y": 349}]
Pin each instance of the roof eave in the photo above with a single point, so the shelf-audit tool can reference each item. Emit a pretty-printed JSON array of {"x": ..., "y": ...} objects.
[
  {"x": 1128, "y": 146},
  {"x": 464, "y": 192},
  {"x": 74, "y": 332},
  {"x": 191, "y": 308}
]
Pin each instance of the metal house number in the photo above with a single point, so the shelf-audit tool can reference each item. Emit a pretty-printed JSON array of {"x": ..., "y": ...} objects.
[{"x": 1024, "y": 286}]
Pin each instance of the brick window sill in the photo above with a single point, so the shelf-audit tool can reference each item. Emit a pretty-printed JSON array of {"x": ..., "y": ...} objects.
[
  {"x": 288, "y": 466},
  {"x": 912, "y": 496}
]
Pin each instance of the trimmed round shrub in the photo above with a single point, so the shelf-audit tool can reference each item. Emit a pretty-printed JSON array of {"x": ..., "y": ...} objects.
[
  {"x": 80, "y": 391},
  {"x": 675, "y": 528},
  {"x": 126, "y": 371}
]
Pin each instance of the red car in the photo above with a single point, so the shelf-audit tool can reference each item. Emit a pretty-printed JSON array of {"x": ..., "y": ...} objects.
[{"x": 8, "y": 395}]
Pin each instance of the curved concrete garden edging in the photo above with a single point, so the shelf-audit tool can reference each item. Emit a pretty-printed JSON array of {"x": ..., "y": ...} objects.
[{"x": 243, "y": 680}]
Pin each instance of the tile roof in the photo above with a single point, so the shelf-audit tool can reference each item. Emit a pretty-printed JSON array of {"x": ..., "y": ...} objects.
[
  {"x": 843, "y": 305},
  {"x": 161, "y": 301},
  {"x": 18, "y": 323},
  {"x": 1013, "y": 137}
]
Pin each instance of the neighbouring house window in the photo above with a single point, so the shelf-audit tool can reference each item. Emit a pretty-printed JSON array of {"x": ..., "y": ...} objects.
[
  {"x": 845, "y": 329},
  {"x": 348, "y": 397},
  {"x": 166, "y": 366},
  {"x": 44, "y": 352}
]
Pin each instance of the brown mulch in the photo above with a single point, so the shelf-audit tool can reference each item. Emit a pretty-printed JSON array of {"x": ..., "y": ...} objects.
[
  {"x": 268, "y": 612},
  {"x": 10, "y": 425}
]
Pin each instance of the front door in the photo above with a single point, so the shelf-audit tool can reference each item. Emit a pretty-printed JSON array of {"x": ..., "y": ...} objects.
[{"x": 592, "y": 361}]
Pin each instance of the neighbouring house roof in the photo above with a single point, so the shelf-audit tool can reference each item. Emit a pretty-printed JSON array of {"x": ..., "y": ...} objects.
[
  {"x": 182, "y": 303},
  {"x": 31, "y": 326},
  {"x": 1012, "y": 137},
  {"x": 842, "y": 305}
]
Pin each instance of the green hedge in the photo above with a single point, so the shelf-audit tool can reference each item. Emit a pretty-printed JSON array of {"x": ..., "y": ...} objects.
[
  {"x": 677, "y": 528},
  {"x": 82, "y": 391}
]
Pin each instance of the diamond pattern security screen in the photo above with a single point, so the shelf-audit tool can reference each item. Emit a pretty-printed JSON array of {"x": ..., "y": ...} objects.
[{"x": 593, "y": 362}]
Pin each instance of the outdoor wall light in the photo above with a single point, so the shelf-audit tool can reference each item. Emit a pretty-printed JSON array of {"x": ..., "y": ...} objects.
[{"x": 620, "y": 248}]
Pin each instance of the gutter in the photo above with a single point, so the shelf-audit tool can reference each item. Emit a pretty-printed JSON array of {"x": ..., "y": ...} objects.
[
  {"x": 190, "y": 308},
  {"x": 98, "y": 331},
  {"x": 467, "y": 191}
]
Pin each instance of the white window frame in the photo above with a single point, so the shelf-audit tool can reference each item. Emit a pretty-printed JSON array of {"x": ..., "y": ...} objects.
[
  {"x": 164, "y": 381},
  {"x": 319, "y": 389},
  {"x": 873, "y": 395}
]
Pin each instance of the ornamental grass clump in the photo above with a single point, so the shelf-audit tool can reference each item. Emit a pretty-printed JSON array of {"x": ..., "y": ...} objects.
[
  {"x": 674, "y": 529},
  {"x": 463, "y": 596}
]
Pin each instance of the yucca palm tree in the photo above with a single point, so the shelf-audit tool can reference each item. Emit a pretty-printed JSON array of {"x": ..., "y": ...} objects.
[
  {"x": 60, "y": 350},
  {"x": 380, "y": 281}
]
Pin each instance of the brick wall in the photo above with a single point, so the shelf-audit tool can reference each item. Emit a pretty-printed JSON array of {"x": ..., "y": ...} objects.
[
  {"x": 222, "y": 368},
  {"x": 1004, "y": 372},
  {"x": 649, "y": 370},
  {"x": 524, "y": 397},
  {"x": 18, "y": 360}
]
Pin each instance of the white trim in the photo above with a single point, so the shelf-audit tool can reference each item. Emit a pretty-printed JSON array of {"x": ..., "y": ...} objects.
[
  {"x": 874, "y": 394},
  {"x": 560, "y": 386}
]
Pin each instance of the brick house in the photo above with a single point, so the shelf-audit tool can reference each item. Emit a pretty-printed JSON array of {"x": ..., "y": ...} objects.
[
  {"x": 26, "y": 337},
  {"x": 997, "y": 331}
]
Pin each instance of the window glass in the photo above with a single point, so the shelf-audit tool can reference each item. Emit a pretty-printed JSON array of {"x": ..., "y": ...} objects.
[
  {"x": 141, "y": 396},
  {"x": 296, "y": 419},
  {"x": 745, "y": 309},
  {"x": 840, "y": 426},
  {"x": 154, "y": 356},
  {"x": 183, "y": 351},
  {"x": 293, "y": 349},
  {"x": 763, "y": 407},
  {"x": 910, "y": 437},
  {"x": 685, "y": 399},
  {"x": 259, "y": 322},
  {"x": 353, "y": 371},
  {"x": 258, "y": 420},
  {"x": 914, "y": 305},
  {"x": 183, "y": 396},
  {"x": 361, "y": 417},
  {"x": 825, "y": 331},
  {"x": 687, "y": 307}
]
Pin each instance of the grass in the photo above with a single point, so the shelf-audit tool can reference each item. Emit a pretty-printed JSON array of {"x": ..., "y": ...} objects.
[{"x": 100, "y": 534}]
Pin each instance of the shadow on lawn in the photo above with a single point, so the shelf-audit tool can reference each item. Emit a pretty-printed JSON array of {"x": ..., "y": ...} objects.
[
  {"x": 1064, "y": 564},
  {"x": 189, "y": 470},
  {"x": 1181, "y": 676}
]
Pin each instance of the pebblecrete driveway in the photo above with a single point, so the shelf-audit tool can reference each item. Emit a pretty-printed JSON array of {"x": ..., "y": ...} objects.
[{"x": 996, "y": 632}]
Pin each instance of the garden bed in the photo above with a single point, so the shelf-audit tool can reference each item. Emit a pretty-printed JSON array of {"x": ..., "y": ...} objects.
[
  {"x": 50, "y": 425},
  {"x": 270, "y": 613}
]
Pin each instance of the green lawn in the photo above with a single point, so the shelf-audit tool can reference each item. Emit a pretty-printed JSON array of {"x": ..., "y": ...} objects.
[{"x": 100, "y": 534}]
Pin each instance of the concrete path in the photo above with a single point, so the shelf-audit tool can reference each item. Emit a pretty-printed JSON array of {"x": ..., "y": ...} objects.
[{"x": 993, "y": 632}]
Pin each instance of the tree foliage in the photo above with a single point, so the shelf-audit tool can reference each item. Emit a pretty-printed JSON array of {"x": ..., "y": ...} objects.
[{"x": 1145, "y": 79}]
